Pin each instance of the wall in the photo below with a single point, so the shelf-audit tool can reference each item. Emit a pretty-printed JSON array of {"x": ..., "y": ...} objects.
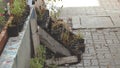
[{"x": 17, "y": 52}]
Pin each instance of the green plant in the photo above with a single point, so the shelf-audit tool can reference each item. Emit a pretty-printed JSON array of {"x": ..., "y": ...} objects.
[
  {"x": 38, "y": 61},
  {"x": 54, "y": 10},
  {"x": 2, "y": 21},
  {"x": 52, "y": 66},
  {"x": 17, "y": 8},
  {"x": 65, "y": 37},
  {"x": 78, "y": 36},
  {"x": 2, "y": 12}
]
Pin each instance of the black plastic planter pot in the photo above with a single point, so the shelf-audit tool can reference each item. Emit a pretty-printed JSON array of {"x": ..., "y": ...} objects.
[
  {"x": 20, "y": 27},
  {"x": 12, "y": 31},
  {"x": 43, "y": 22}
]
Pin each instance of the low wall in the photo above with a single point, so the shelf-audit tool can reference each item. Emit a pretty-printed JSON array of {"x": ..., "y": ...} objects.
[{"x": 17, "y": 52}]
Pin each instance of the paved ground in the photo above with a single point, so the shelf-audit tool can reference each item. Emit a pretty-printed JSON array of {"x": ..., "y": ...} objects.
[
  {"x": 102, "y": 42},
  {"x": 107, "y": 14},
  {"x": 102, "y": 48}
]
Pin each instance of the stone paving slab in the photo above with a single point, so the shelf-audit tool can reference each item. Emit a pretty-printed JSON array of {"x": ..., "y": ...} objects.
[
  {"x": 108, "y": 10},
  {"x": 94, "y": 21},
  {"x": 76, "y": 23}
]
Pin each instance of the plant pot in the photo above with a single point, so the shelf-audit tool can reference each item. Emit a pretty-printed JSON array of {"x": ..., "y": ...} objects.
[
  {"x": 13, "y": 31},
  {"x": 43, "y": 22},
  {"x": 3, "y": 38},
  {"x": 20, "y": 27}
]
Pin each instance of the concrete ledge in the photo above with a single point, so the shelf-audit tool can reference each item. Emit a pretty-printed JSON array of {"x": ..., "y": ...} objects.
[{"x": 17, "y": 52}]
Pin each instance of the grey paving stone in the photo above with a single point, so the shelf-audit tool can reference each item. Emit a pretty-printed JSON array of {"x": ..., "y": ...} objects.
[
  {"x": 95, "y": 37},
  {"x": 87, "y": 62},
  {"x": 80, "y": 64},
  {"x": 108, "y": 66},
  {"x": 117, "y": 66},
  {"x": 116, "y": 41},
  {"x": 89, "y": 41},
  {"x": 106, "y": 62},
  {"x": 100, "y": 56},
  {"x": 108, "y": 56},
  {"x": 110, "y": 41},
  {"x": 72, "y": 67},
  {"x": 117, "y": 61},
  {"x": 94, "y": 62},
  {"x": 92, "y": 67},
  {"x": 76, "y": 22},
  {"x": 80, "y": 67},
  {"x": 101, "y": 37},
  {"x": 99, "y": 41}
]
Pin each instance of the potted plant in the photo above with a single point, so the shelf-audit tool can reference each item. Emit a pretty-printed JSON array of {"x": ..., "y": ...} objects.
[
  {"x": 3, "y": 27},
  {"x": 19, "y": 10}
]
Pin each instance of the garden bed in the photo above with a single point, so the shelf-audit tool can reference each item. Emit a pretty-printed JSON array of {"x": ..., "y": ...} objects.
[
  {"x": 55, "y": 35},
  {"x": 12, "y": 19}
]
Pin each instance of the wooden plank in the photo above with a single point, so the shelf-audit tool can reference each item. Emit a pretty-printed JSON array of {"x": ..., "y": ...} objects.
[
  {"x": 63, "y": 60},
  {"x": 35, "y": 36},
  {"x": 52, "y": 44}
]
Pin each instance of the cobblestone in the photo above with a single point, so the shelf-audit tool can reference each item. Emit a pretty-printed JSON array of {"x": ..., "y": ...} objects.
[
  {"x": 94, "y": 62},
  {"x": 87, "y": 62}
]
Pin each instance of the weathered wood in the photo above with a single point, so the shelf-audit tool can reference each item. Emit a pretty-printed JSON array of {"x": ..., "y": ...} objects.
[
  {"x": 52, "y": 44},
  {"x": 35, "y": 36},
  {"x": 63, "y": 60}
]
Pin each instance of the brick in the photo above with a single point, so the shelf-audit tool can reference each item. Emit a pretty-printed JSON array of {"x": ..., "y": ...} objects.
[
  {"x": 109, "y": 41},
  {"x": 87, "y": 63},
  {"x": 95, "y": 37},
  {"x": 117, "y": 66},
  {"x": 80, "y": 67},
  {"x": 92, "y": 67},
  {"x": 117, "y": 61},
  {"x": 100, "y": 56},
  {"x": 94, "y": 62},
  {"x": 102, "y": 51},
  {"x": 116, "y": 41},
  {"x": 101, "y": 37},
  {"x": 88, "y": 41},
  {"x": 116, "y": 56},
  {"x": 99, "y": 41},
  {"x": 110, "y": 37},
  {"x": 72, "y": 67},
  {"x": 108, "y": 66},
  {"x": 108, "y": 56},
  {"x": 80, "y": 64},
  {"x": 106, "y": 62}
]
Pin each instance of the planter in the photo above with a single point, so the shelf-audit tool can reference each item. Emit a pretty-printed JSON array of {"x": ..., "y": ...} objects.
[
  {"x": 13, "y": 31},
  {"x": 3, "y": 38},
  {"x": 74, "y": 44},
  {"x": 4, "y": 35},
  {"x": 20, "y": 27},
  {"x": 42, "y": 20}
]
